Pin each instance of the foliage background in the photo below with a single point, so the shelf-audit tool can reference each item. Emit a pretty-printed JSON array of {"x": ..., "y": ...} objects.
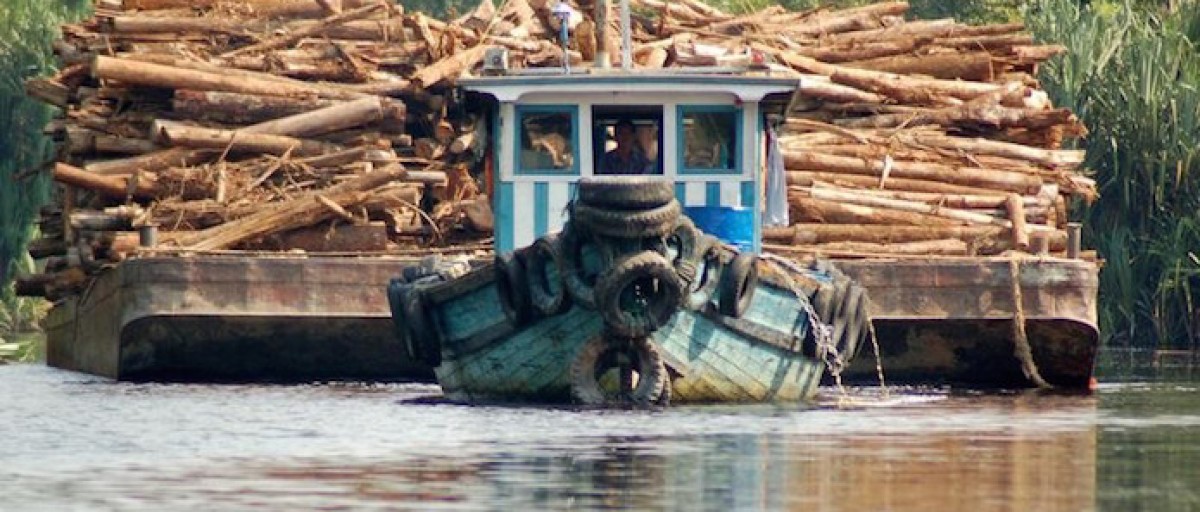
[{"x": 1132, "y": 75}]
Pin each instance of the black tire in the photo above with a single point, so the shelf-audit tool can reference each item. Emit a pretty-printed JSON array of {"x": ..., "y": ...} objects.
[
  {"x": 685, "y": 238},
  {"x": 579, "y": 282},
  {"x": 653, "y": 223},
  {"x": 738, "y": 282},
  {"x": 422, "y": 335},
  {"x": 647, "y": 278},
  {"x": 512, "y": 289},
  {"x": 855, "y": 316},
  {"x": 549, "y": 297},
  {"x": 708, "y": 275},
  {"x": 590, "y": 364},
  {"x": 397, "y": 293},
  {"x": 626, "y": 192}
]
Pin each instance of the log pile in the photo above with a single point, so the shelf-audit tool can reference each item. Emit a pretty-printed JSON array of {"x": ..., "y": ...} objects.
[{"x": 332, "y": 125}]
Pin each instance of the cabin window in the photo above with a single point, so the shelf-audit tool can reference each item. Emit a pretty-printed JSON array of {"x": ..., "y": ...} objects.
[
  {"x": 638, "y": 127},
  {"x": 709, "y": 140},
  {"x": 547, "y": 140}
]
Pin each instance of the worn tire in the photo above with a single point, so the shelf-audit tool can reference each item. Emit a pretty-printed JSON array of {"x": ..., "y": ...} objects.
[
  {"x": 625, "y": 192},
  {"x": 422, "y": 335},
  {"x": 708, "y": 274},
  {"x": 585, "y": 373},
  {"x": 512, "y": 289},
  {"x": 580, "y": 284},
  {"x": 739, "y": 280},
  {"x": 685, "y": 238},
  {"x": 397, "y": 293},
  {"x": 652, "y": 223},
  {"x": 548, "y": 297},
  {"x": 659, "y": 305}
]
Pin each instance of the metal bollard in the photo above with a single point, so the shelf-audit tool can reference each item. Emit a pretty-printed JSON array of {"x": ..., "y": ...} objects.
[
  {"x": 148, "y": 235},
  {"x": 1074, "y": 232}
]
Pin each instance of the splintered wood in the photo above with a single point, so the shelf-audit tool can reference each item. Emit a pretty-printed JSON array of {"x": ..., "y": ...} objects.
[{"x": 229, "y": 124}]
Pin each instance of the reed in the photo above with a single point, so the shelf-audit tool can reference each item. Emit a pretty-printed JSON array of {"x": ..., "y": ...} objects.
[{"x": 1133, "y": 76}]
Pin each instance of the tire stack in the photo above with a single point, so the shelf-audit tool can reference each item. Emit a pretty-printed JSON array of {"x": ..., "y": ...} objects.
[{"x": 843, "y": 304}]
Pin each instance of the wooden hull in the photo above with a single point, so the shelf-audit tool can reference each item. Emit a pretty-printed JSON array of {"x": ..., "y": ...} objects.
[{"x": 710, "y": 358}]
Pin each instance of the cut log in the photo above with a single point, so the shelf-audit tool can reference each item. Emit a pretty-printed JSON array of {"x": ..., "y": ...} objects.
[
  {"x": 157, "y": 75},
  {"x": 449, "y": 69},
  {"x": 808, "y": 209},
  {"x": 234, "y": 108},
  {"x": 302, "y": 211},
  {"x": 1016, "y": 215},
  {"x": 809, "y": 178},
  {"x": 308, "y": 31},
  {"x": 111, "y": 186},
  {"x": 176, "y": 134},
  {"x": 981, "y": 178}
]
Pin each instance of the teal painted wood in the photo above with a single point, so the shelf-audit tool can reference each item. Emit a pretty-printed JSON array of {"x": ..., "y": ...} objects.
[
  {"x": 530, "y": 365},
  {"x": 469, "y": 314},
  {"x": 721, "y": 365}
]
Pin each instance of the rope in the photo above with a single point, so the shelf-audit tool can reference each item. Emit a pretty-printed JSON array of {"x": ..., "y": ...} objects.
[{"x": 1021, "y": 348}]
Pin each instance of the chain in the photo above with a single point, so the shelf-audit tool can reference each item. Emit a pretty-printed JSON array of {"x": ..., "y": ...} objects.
[{"x": 827, "y": 350}]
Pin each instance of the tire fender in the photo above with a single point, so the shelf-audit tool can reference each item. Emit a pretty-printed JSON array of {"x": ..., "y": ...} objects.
[
  {"x": 738, "y": 282},
  {"x": 548, "y": 294},
  {"x": 586, "y": 372},
  {"x": 511, "y": 287},
  {"x": 646, "y": 269}
]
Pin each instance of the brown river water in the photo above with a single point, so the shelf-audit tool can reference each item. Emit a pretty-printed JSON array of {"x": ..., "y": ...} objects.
[{"x": 74, "y": 442}]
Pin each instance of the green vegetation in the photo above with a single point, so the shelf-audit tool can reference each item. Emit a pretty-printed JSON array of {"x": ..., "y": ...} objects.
[
  {"x": 26, "y": 29},
  {"x": 1133, "y": 76}
]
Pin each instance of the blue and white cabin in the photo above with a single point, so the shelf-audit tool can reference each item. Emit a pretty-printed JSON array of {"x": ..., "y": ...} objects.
[{"x": 703, "y": 131}]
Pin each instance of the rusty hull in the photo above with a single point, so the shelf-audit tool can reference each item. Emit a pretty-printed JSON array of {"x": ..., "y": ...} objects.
[
  {"x": 950, "y": 321},
  {"x": 234, "y": 318}
]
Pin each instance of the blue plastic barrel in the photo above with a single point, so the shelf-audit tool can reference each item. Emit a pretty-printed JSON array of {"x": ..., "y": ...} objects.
[{"x": 733, "y": 225}]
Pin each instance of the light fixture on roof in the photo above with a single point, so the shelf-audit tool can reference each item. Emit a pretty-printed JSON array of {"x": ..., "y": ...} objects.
[{"x": 563, "y": 12}]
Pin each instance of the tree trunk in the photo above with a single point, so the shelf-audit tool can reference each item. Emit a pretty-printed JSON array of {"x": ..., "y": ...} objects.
[{"x": 176, "y": 134}]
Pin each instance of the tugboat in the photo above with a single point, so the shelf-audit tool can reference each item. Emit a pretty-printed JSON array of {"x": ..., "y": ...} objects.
[{"x": 606, "y": 288}]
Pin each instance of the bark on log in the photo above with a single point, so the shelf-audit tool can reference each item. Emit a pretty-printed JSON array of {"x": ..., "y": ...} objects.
[
  {"x": 449, "y": 69},
  {"x": 234, "y": 108},
  {"x": 111, "y": 186},
  {"x": 307, "y": 31},
  {"x": 175, "y": 134},
  {"x": 808, "y": 209},
  {"x": 981, "y": 178},
  {"x": 808, "y": 178},
  {"x": 1016, "y": 215},
  {"x": 157, "y": 75}
]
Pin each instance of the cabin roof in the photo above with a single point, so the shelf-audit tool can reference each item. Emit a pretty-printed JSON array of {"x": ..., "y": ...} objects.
[{"x": 745, "y": 87}]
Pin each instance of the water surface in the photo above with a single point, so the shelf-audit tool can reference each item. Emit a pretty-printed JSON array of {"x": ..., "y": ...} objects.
[{"x": 74, "y": 442}]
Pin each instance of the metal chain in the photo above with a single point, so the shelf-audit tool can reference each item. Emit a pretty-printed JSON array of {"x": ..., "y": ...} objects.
[{"x": 827, "y": 350}]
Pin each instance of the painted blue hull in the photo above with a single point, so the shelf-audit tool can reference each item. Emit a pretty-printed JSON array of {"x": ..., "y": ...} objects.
[{"x": 485, "y": 359}]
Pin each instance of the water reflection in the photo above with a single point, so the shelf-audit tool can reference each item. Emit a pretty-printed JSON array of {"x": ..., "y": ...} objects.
[{"x": 1130, "y": 447}]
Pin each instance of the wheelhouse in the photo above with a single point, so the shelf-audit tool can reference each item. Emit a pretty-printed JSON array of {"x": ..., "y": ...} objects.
[{"x": 705, "y": 132}]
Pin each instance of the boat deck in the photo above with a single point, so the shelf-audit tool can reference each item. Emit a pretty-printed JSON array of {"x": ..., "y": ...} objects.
[{"x": 228, "y": 317}]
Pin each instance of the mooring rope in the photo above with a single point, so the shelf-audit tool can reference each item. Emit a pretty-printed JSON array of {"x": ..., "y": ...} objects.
[{"x": 1021, "y": 348}]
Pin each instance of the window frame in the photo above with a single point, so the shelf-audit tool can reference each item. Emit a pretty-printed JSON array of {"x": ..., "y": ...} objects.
[
  {"x": 519, "y": 115},
  {"x": 681, "y": 112}
]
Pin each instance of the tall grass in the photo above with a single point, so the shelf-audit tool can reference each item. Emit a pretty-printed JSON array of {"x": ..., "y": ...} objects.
[
  {"x": 26, "y": 29},
  {"x": 1133, "y": 76}
]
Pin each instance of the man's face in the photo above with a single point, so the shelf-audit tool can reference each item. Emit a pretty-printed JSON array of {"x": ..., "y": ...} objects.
[{"x": 624, "y": 136}]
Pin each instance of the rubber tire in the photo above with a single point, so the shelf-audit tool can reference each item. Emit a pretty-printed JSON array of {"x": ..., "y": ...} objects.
[
  {"x": 397, "y": 293},
  {"x": 585, "y": 384},
  {"x": 580, "y": 287},
  {"x": 423, "y": 337},
  {"x": 545, "y": 252},
  {"x": 739, "y": 280},
  {"x": 663, "y": 305},
  {"x": 687, "y": 238},
  {"x": 625, "y": 192},
  {"x": 855, "y": 316},
  {"x": 653, "y": 223},
  {"x": 708, "y": 274},
  {"x": 512, "y": 289}
]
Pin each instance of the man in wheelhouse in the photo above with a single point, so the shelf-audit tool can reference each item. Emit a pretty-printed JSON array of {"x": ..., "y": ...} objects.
[{"x": 627, "y": 157}]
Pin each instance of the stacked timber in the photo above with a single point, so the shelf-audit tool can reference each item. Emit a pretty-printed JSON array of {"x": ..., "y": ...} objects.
[{"x": 333, "y": 125}]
